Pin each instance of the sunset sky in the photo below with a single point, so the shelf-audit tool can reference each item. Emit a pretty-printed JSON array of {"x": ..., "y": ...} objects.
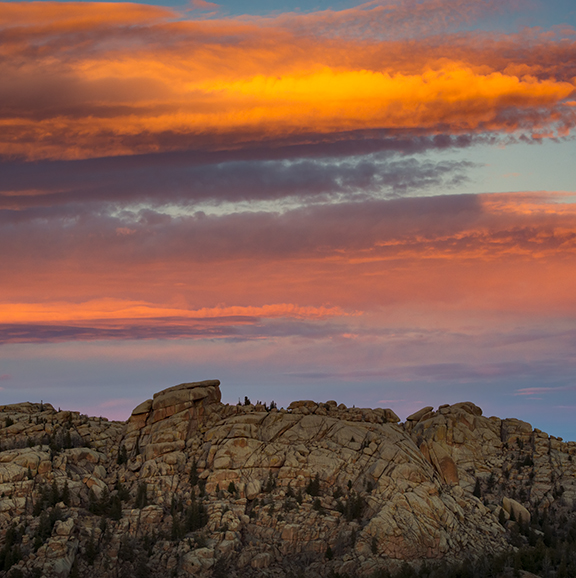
[{"x": 373, "y": 203}]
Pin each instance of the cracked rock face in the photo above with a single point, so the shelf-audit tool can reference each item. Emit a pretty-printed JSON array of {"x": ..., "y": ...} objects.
[{"x": 191, "y": 486}]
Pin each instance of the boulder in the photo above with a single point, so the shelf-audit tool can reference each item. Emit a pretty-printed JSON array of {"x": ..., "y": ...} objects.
[
  {"x": 418, "y": 415},
  {"x": 515, "y": 508}
]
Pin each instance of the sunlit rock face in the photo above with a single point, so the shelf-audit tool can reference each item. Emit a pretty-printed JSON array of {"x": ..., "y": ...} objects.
[
  {"x": 191, "y": 486},
  {"x": 163, "y": 424}
]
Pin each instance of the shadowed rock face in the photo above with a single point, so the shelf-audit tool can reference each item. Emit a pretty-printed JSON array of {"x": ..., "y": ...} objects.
[{"x": 280, "y": 485}]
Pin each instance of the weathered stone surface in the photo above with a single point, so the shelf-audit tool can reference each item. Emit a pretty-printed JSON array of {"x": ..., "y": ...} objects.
[
  {"x": 417, "y": 416},
  {"x": 144, "y": 407},
  {"x": 513, "y": 507},
  {"x": 387, "y": 492}
]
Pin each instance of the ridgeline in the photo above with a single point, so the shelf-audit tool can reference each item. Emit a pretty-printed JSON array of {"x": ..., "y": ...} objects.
[{"x": 189, "y": 486}]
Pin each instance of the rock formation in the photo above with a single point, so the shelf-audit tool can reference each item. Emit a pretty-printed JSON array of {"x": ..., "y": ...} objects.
[{"x": 191, "y": 486}]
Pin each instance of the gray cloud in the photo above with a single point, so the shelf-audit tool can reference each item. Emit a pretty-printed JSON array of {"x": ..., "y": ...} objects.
[
  {"x": 186, "y": 180},
  {"x": 236, "y": 328}
]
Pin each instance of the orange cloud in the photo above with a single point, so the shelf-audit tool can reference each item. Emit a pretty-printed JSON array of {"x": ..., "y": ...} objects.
[
  {"x": 63, "y": 16},
  {"x": 111, "y": 309},
  {"x": 225, "y": 83}
]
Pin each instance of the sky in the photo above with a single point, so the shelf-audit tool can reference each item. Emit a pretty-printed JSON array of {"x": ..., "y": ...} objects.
[{"x": 373, "y": 203}]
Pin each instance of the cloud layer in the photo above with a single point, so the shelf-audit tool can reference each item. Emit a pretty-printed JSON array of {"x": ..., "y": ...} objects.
[
  {"x": 85, "y": 81},
  {"x": 280, "y": 200}
]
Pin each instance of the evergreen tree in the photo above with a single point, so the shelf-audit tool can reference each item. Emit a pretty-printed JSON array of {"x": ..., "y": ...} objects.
[
  {"x": 141, "y": 496},
  {"x": 313, "y": 487},
  {"x": 193, "y": 478},
  {"x": 477, "y": 489}
]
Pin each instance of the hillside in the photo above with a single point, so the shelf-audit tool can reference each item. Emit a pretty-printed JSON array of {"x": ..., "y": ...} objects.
[{"x": 191, "y": 486}]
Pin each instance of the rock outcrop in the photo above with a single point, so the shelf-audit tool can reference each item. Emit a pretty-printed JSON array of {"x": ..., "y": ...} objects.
[{"x": 191, "y": 486}]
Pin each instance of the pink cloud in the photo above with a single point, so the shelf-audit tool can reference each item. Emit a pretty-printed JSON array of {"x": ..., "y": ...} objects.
[
  {"x": 5, "y": 377},
  {"x": 203, "y": 5},
  {"x": 542, "y": 390}
]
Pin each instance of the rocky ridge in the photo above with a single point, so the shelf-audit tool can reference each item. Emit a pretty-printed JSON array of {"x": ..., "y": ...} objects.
[{"x": 191, "y": 486}]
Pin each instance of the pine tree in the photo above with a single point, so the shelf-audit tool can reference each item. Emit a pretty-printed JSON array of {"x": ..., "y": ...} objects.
[
  {"x": 193, "y": 473},
  {"x": 141, "y": 496},
  {"x": 477, "y": 489},
  {"x": 122, "y": 455},
  {"x": 313, "y": 487},
  {"x": 65, "y": 497}
]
